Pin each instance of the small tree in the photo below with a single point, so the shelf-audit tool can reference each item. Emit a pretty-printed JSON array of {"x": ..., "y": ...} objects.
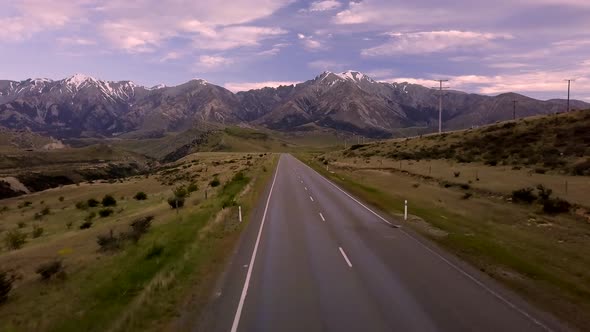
[
  {"x": 140, "y": 196},
  {"x": 176, "y": 202},
  {"x": 192, "y": 187},
  {"x": 109, "y": 200},
  {"x": 50, "y": 269}
]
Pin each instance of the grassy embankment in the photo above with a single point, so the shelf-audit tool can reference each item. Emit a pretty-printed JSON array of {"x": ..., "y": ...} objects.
[
  {"x": 143, "y": 285},
  {"x": 466, "y": 207}
]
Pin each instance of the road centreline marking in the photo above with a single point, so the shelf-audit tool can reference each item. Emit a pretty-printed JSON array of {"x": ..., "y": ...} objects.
[
  {"x": 345, "y": 257},
  {"x": 311, "y": 198},
  {"x": 322, "y": 216},
  {"x": 238, "y": 314},
  {"x": 455, "y": 267},
  {"x": 305, "y": 188}
]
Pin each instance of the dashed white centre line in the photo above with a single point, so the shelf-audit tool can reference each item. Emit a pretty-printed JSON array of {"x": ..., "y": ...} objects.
[
  {"x": 322, "y": 216},
  {"x": 305, "y": 188},
  {"x": 345, "y": 257},
  {"x": 311, "y": 198}
]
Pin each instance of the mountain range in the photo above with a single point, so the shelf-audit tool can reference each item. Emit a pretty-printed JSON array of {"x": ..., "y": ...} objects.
[{"x": 82, "y": 106}]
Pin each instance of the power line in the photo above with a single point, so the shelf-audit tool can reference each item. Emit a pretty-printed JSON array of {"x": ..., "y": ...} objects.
[{"x": 440, "y": 94}]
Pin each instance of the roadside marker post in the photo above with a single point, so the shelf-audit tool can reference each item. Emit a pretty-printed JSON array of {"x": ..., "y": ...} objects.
[
  {"x": 240, "y": 213},
  {"x": 406, "y": 209}
]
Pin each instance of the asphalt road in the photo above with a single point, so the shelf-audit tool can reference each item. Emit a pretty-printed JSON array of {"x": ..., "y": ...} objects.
[{"x": 315, "y": 258}]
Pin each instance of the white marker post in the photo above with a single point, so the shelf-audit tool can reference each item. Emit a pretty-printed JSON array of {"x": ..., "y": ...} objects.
[
  {"x": 240, "y": 213},
  {"x": 406, "y": 209}
]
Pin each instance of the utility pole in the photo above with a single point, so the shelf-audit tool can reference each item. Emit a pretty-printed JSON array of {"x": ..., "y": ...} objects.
[
  {"x": 569, "y": 81},
  {"x": 440, "y": 95},
  {"x": 514, "y": 109}
]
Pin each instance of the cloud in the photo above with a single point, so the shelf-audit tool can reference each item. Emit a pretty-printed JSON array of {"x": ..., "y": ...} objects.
[
  {"x": 245, "y": 86},
  {"x": 236, "y": 36},
  {"x": 320, "y": 6},
  {"x": 76, "y": 41},
  {"x": 173, "y": 55},
  {"x": 309, "y": 43},
  {"x": 133, "y": 36},
  {"x": 210, "y": 62},
  {"x": 34, "y": 16},
  {"x": 432, "y": 42},
  {"x": 330, "y": 65},
  {"x": 276, "y": 49}
]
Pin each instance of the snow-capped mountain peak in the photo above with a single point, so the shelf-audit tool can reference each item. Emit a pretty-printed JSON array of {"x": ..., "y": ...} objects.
[
  {"x": 355, "y": 76},
  {"x": 77, "y": 80}
]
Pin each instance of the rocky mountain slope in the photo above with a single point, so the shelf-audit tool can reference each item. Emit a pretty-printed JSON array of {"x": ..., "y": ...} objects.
[{"x": 82, "y": 106}]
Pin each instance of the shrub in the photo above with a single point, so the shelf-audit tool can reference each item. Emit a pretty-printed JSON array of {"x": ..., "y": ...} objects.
[
  {"x": 180, "y": 192},
  {"x": 103, "y": 213},
  {"x": 50, "y": 269},
  {"x": 108, "y": 242},
  {"x": 21, "y": 224},
  {"x": 138, "y": 228},
  {"x": 155, "y": 250},
  {"x": 15, "y": 239},
  {"x": 109, "y": 200},
  {"x": 215, "y": 182},
  {"x": 176, "y": 202},
  {"x": 456, "y": 174},
  {"x": 524, "y": 195},
  {"x": 466, "y": 196},
  {"x": 6, "y": 281},
  {"x": 556, "y": 205},
  {"x": 61, "y": 198},
  {"x": 491, "y": 162},
  {"x": 92, "y": 202},
  {"x": 192, "y": 187},
  {"x": 140, "y": 196},
  {"x": 69, "y": 224},
  {"x": 228, "y": 202},
  {"x": 24, "y": 204},
  {"x": 540, "y": 170},
  {"x": 37, "y": 231},
  {"x": 582, "y": 168},
  {"x": 90, "y": 216},
  {"x": 81, "y": 205},
  {"x": 544, "y": 193},
  {"x": 85, "y": 225}
]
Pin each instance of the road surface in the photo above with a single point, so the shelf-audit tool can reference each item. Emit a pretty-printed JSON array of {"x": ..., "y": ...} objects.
[{"x": 315, "y": 258}]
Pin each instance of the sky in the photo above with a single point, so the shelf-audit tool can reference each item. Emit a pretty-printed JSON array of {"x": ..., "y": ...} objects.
[{"x": 486, "y": 47}]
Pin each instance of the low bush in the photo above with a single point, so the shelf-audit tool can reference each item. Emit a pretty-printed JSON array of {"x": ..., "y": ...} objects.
[
  {"x": 61, "y": 198},
  {"x": 155, "y": 250},
  {"x": 15, "y": 239},
  {"x": 90, "y": 216},
  {"x": 524, "y": 195},
  {"x": 176, "y": 202},
  {"x": 86, "y": 224},
  {"x": 81, "y": 205},
  {"x": 103, "y": 213},
  {"x": 215, "y": 182},
  {"x": 544, "y": 193},
  {"x": 108, "y": 242},
  {"x": 24, "y": 204},
  {"x": 466, "y": 196},
  {"x": 456, "y": 174},
  {"x": 540, "y": 170},
  {"x": 109, "y": 200},
  {"x": 51, "y": 269},
  {"x": 192, "y": 187},
  {"x": 140, "y": 196},
  {"x": 22, "y": 224},
  {"x": 465, "y": 186},
  {"x": 556, "y": 205},
  {"x": 6, "y": 281},
  {"x": 92, "y": 202},
  {"x": 37, "y": 231},
  {"x": 582, "y": 168},
  {"x": 138, "y": 228}
]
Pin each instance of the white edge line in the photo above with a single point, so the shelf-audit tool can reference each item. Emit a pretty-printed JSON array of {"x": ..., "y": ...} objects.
[
  {"x": 234, "y": 326},
  {"x": 311, "y": 198},
  {"x": 322, "y": 216},
  {"x": 345, "y": 257},
  {"x": 457, "y": 268}
]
